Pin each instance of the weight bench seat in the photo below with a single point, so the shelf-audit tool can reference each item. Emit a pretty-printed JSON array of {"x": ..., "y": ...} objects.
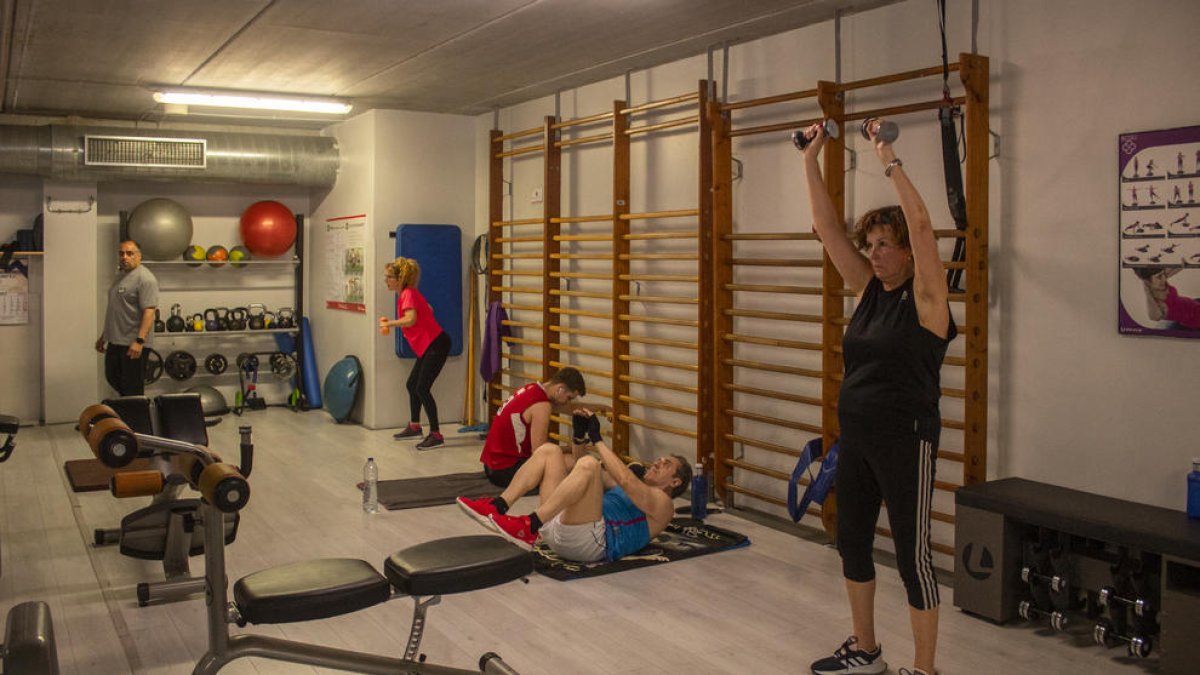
[
  {"x": 457, "y": 565},
  {"x": 9, "y": 424},
  {"x": 310, "y": 589}
]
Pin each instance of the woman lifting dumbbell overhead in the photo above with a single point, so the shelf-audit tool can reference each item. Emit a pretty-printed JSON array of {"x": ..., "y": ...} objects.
[
  {"x": 888, "y": 407},
  {"x": 427, "y": 339}
]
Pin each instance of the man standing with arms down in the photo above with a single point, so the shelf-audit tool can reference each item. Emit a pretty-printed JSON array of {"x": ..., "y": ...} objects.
[{"x": 128, "y": 322}]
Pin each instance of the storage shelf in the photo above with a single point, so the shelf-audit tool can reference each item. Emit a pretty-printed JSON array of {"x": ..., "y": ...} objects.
[
  {"x": 227, "y": 333},
  {"x": 206, "y": 264}
]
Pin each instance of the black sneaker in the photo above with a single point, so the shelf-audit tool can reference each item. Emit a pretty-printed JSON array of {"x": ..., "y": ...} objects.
[
  {"x": 850, "y": 659},
  {"x": 431, "y": 441},
  {"x": 409, "y": 432}
]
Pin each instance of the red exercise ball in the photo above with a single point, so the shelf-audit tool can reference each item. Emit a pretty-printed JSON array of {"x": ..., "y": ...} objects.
[{"x": 268, "y": 228}]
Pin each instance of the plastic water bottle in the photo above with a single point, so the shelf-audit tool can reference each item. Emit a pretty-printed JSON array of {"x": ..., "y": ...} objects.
[
  {"x": 699, "y": 493},
  {"x": 1193, "y": 504},
  {"x": 370, "y": 486}
]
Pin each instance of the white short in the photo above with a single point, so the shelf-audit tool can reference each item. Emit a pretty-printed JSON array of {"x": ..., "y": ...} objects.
[{"x": 581, "y": 543}]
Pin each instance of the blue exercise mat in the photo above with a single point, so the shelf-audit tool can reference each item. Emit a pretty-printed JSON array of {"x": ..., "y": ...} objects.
[
  {"x": 438, "y": 250},
  {"x": 310, "y": 382}
]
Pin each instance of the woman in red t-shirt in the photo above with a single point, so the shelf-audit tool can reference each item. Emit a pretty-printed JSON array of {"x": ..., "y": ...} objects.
[{"x": 427, "y": 339}]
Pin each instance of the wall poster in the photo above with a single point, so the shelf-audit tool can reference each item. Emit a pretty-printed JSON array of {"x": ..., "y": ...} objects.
[
  {"x": 347, "y": 249},
  {"x": 1159, "y": 224}
]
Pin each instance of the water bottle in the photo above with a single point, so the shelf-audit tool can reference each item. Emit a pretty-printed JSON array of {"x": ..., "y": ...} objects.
[
  {"x": 370, "y": 486},
  {"x": 699, "y": 493},
  {"x": 1193, "y": 504}
]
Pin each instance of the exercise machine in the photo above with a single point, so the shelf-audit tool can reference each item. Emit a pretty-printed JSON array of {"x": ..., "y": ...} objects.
[
  {"x": 313, "y": 589},
  {"x": 166, "y": 530}
]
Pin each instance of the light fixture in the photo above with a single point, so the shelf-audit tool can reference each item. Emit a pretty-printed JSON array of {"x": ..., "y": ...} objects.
[{"x": 253, "y": 101}]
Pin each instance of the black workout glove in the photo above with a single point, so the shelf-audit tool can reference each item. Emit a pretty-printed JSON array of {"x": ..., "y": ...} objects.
[
  {"x": 579, "y": 429},
  {"x": 593, "y": 429},
  {"x": 638, "y": 469}
]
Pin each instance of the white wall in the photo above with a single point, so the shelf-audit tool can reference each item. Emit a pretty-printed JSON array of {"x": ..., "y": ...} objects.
[
  {"x": 397, "y": 167},
  {"x": 21, "y": 395},
  {"x": 1072, "y": 402}
]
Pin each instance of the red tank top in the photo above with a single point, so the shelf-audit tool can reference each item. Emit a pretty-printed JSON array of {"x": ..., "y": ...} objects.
[{"x": 509, "y": 437}]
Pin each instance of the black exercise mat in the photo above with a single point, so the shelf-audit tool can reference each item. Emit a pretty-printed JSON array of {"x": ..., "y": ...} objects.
[
  {"x": 90, "y": 475},
  {"x": 683, "y": 538},
  {"x": 414, "y": 493}
]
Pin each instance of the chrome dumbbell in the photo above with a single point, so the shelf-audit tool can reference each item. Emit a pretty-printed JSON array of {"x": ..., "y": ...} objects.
[
  {"x": 1139, "y": 646},
  {"x": 801, "y": 139},
  {"x": 1056, "y": 583},
  {"x": 885, "y": 130},
  {"x": 1108, "y": 595},
  {"x": 1058, "y": 620}
]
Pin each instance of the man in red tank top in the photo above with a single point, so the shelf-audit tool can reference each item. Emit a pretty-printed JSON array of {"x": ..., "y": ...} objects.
[{"x": 523, "y": 423}]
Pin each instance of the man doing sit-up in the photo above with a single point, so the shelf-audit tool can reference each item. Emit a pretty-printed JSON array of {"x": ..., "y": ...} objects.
[
  {"x": 599, "y": 511},
  {"x": 523, "y": 423}
]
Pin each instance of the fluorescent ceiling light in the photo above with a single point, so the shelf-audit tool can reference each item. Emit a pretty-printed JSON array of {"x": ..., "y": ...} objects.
[{"x": 257, "y": 102}]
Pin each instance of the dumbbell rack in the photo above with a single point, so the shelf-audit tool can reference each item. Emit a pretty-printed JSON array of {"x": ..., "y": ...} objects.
[{"x": 1126, "y": 574}]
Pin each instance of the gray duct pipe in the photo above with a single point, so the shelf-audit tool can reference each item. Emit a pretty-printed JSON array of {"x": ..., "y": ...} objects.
[{"x": 57, "y": 152}]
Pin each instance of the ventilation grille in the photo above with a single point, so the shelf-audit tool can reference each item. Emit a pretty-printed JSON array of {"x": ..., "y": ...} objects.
[{"x": 181, "y": 153}]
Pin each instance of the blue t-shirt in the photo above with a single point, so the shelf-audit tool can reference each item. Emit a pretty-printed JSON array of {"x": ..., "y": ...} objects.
[{"x": 625, "y": 528}]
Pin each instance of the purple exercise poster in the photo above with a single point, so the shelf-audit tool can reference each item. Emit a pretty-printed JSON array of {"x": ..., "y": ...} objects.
[{"x": 1159, "y": 229}]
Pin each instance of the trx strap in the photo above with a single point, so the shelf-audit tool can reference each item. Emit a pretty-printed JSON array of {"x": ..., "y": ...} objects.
[
  {"x": 818, "y": 488},
  {"x": 950, "y": 159}
]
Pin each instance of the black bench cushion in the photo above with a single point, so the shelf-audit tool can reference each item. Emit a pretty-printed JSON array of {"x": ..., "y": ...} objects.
[
  {"x": 457, "y": 564},
  {"x": 311, "y": 589},
  {"x": 181, "y": 417},
  {"x": 9, "y": 424},
  {"x": 134, "y": 411},
  {"x": 1140, "y": 526}
]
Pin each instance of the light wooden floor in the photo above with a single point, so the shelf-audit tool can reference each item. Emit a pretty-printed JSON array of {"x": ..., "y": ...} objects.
[{"x": 770, "y": 608}]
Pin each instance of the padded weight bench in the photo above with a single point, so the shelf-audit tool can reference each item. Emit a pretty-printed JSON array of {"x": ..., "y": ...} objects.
[
  {"x": 28, "y": 647},
  {"x": 318, "y": 589},
  {"x": 166, "y": 529}
]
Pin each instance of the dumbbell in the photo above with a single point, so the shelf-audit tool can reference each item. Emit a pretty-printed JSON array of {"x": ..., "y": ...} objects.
[
  {"x": 801, "y": 139},
  {"x": 885, "y": 130},
  {"x": 1108, "y": 594},
  {"x": 1027, "y": 611},
  {"x": 1104, "y": 634},
  {"x": 1056, "y": 583}
]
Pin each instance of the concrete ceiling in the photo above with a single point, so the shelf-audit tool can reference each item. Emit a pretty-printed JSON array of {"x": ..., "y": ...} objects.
[{"x": 104, "y": 58}]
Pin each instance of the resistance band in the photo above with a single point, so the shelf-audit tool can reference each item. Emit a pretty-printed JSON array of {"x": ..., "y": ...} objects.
[{"x": 950, "y": 159}]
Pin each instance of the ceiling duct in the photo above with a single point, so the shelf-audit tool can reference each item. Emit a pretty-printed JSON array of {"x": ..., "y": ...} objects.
[{"x": 104, "y": 154}]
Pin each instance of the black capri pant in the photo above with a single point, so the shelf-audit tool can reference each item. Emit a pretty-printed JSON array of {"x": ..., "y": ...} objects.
[
  {"x": 420, "y": 380},
  {"x": 893, "y": 462}
]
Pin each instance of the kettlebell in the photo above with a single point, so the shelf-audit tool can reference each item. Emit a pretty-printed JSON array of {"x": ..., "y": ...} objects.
[
  {"x": 269, "y": 319},
  {"x": 175, "y": 321},
  {"x": 237, "y": 318},
  {"x": 197, "y": 323},
  {"x": 257, "y": 316},
  {"x": 159, "y": 326},
  {"x": 222, "y": 318},
  {"x": 286, "y": 318},
  {"x": 210, "y": 320}
]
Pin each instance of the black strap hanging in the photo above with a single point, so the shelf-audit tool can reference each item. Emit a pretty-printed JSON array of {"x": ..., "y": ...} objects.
[{"x": 955, "y": 198}]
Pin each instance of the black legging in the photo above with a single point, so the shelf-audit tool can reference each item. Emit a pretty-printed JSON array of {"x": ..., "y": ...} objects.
[
  {"x": 420, "y": 381},
  {"x": 123, "y": 373}
]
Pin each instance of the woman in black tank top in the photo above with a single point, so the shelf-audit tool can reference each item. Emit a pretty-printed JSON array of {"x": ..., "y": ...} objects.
[{"x": 888, "y": 405}]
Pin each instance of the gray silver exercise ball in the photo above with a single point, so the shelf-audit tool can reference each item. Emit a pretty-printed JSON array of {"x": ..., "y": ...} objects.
[
  {"x": 212, "y": 401},
  {"x": 161, "y": 227}
]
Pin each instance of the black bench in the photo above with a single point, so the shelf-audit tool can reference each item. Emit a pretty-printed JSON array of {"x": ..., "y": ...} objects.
[
  {"x": 28, "y": 647},
  {"x": 1033, "y": 549}
]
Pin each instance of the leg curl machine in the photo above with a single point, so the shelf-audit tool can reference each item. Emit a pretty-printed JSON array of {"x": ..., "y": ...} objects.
[
  {"x": 313, "y": 589},
  {"x": 166, "y": 529},
  {"x": 28, "y": 646}
]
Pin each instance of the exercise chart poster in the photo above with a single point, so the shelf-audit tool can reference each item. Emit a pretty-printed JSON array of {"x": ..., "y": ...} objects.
[
  {"x": 1159, "y": 233},
  {"x": 345, "y": 247}
]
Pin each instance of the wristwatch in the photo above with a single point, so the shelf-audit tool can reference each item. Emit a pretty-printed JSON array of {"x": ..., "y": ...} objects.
[
  {"x": 887, "y": 171},
  {"x": 140, "y": 340}
]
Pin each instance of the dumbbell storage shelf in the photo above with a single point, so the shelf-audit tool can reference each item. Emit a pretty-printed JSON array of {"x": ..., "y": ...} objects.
[{"x": 1129, "y": 572}]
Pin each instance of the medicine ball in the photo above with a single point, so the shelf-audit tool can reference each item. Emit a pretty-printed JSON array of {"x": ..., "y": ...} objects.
[{"x": 161, "y": 227}]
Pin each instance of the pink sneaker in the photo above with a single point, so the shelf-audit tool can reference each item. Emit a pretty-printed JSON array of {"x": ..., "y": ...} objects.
[
  {"x": 480, "y": 509},
  {"x": 516, "y": 529}
]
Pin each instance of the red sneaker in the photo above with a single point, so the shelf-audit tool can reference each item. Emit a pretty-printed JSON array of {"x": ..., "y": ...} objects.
[
  {"x": 516, "y": 529},
  {"x": 480, "y": 509}
]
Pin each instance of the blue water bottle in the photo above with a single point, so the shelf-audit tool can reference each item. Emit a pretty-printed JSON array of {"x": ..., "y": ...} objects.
[
  {"x": 700, "y": 493},
  {"x": 1193, "y": 506}
]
